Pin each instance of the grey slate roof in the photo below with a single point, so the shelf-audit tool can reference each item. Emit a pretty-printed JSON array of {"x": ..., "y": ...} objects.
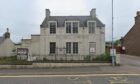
[
  {"x": 1, "y": 39},
  {"x": 61, "y": 20}
]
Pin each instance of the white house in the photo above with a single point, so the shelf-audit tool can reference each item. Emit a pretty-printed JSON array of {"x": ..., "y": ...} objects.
[
  {"x": 67, "y": 37},
  {"x": 7, "y": 47}
]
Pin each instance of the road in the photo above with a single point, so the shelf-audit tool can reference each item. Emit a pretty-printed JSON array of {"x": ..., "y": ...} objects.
[
  {"x": 72, "y": 79},
  {"x": 127, "y": 73}
]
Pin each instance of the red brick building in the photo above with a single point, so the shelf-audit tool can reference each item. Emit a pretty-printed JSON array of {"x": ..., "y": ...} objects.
[{"x": 131, "y": 40}]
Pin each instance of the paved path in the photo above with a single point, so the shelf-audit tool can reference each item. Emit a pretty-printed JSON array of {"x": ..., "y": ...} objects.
[{"x": 129, "y": 64}]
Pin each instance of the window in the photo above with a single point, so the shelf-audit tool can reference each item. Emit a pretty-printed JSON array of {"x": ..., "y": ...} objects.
[
  {"x": 75, "y": 47},
  {"x": 72, "y": 27},
  {"x": 52, "y": 47},
  {"x": 68, "y": 27},
  {"x": 52, "y": 28},
  {"x": 75, "y": 27},
  {"x": 91, "y": 27},
  {"x": 92, "y": 47},
  {"x": 68, "y": 47}
]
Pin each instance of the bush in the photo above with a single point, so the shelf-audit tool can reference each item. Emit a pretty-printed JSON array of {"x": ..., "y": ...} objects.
[
  {"x": 103, "y": 58},
  {"x": 13, "y": 61},
  {"x": 12, "y": 58}
]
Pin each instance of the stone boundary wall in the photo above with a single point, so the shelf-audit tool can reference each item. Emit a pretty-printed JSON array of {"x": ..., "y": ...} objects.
[{"x": 53, "y": 65}]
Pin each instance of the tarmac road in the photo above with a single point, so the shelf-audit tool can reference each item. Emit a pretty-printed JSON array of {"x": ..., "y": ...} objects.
[{"x": 72, "y": 79}]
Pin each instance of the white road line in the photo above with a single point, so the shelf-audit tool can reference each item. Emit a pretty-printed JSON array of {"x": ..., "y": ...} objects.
[{"x": 82, "y": 75}]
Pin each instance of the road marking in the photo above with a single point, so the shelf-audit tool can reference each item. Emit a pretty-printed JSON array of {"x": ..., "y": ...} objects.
[
  {"x": 73, "y": 78},
  {"x": 81, "y": 75},
  {"x": 119, "y": 80}
]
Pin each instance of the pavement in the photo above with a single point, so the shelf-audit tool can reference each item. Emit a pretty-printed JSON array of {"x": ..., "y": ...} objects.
[{"x": 129, "y": 65}]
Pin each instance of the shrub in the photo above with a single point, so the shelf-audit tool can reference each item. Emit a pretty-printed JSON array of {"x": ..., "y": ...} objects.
[
  {"x": 103, "y": 58},
  {"x": 13, "y": 61}
]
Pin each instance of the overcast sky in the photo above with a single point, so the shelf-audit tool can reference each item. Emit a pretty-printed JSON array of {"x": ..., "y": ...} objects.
[{"x": 23, "y": 17}]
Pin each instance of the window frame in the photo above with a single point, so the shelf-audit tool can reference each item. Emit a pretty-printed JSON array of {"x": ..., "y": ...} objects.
[
  {"x": 71, "y": 29},
  {"x": 68, "y": 30},
  {"x": 75, "y": 47},
  {"x": 76, "y": 29},
  {"x": 51, "y": 48},
  {"x": 68, "y": 47},
  {"x": 50, "y": 27},
  {"x": 89, "y": 28}
]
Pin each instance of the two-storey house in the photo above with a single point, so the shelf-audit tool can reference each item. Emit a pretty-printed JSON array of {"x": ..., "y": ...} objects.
[{"x": 68, "y": 37}]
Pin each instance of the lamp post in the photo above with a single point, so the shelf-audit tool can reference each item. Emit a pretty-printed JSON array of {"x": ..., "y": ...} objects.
[{"x": 113, "y": 51}]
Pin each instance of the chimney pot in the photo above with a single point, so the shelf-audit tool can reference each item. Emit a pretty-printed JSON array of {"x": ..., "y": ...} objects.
[
  {"x": 93, "y": 13},
  {"x": 47, "y": 13},
  {"x": 138, "y": 13}
]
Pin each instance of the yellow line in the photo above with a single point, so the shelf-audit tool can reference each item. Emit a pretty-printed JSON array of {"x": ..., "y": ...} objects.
[{"x": 85, "y": 75}]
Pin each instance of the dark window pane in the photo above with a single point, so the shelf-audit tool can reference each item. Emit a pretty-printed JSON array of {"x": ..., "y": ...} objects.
[
  {"x": 91, "y": 27},
  {"x": 68, "y": 27},
  {"x": 75, "y": 47},
  {"x": 52, "y": 28},
  {"x": 52, "y": 47},
  {"x": 75, "y": 27},
  {"x": 68, "y": 47}
]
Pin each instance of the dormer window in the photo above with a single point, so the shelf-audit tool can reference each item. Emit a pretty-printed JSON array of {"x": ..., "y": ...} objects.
[
  {"x": 52, "y": 26},
  {"x": 72, "y": 26},
  {"x": 68, "y": 27},
  {"x": 91, "y": 26},
  {"x": 75, "y": 27}
]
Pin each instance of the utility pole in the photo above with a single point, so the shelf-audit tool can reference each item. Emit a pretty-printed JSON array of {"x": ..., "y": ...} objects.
[{"x": 113, "y": 51}]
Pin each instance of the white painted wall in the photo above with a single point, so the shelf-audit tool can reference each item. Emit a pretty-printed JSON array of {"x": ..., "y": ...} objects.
[{"x": 6, "y": 48}]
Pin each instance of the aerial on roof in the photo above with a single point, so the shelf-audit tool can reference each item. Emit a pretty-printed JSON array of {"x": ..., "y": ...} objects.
[{"x": 61, "y": 20}]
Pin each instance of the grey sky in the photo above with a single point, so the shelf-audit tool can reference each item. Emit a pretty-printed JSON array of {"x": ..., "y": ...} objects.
[{"x": 24, "y": 17}]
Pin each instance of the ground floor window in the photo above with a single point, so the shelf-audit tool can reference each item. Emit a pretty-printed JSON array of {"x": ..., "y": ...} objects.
[
  {"x": 72, "y": 47},
  {"x": 92, "y": 47},
  {"x": 75, "y": 47},
  {"x": 68, "y": 47},
  {"x": 52, "y": 47}
]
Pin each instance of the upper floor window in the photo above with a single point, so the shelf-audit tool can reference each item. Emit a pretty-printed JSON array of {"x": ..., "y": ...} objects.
[
  {"x": 68, "y": 27},
  {"x": 91, "y": 26},
  {"x": 52, "y": 27},
  {"x": 72, "y": 27},
  {"x": 75, "y": 27}
]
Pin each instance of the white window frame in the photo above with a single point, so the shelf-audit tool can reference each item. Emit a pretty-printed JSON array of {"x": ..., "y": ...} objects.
[
  {"x": 72, "y": 26},
  {"x": 49, "y": 25},
  {"x": 88, "y": 26}
]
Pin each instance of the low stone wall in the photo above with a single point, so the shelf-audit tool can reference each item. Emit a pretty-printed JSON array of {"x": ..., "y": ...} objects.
[{"x": 53, "y": 65}]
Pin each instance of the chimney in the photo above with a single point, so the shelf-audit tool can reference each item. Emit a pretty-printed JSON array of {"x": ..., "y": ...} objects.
[
  {"x": 47, "y": 13},
  {"x": 137, "y": 18},
  {"x": 93, "y": 13}
]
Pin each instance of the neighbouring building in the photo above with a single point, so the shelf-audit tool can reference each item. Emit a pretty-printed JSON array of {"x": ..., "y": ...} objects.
[
  {"x": 67, "y": 37},
  {"x": 131, "y": 40},
  {"x": 7, "y": 47}
]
